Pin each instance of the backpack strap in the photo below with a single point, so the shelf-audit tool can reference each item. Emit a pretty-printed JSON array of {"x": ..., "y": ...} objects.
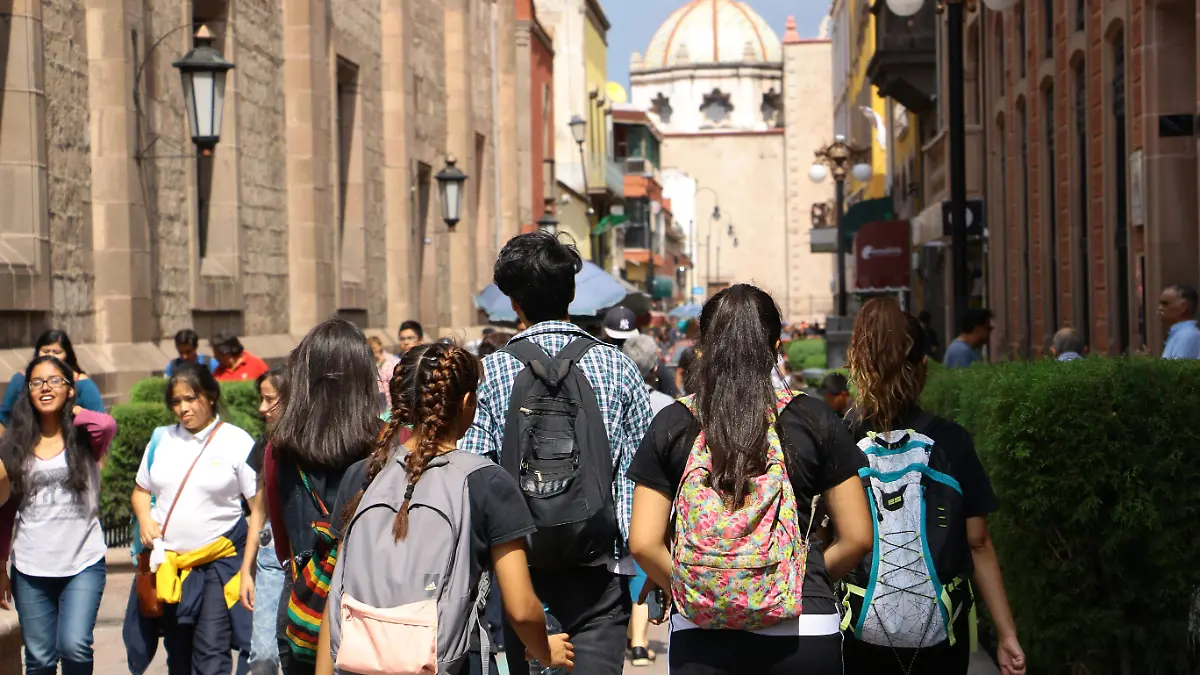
[
  {"x": 527, "y": 352},
  {"x": 574, "y": 351}
]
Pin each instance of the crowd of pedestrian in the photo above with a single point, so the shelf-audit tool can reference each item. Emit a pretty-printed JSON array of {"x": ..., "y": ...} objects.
[{"x": 539, "y": 496}]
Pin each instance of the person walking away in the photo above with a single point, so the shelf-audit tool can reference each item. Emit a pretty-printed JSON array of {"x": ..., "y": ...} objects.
[
  {"x": 1068, "y": 345},
  {"x": 187, "y": 345},
  {"x": 408, "y": 336},
  {"x": 931, "y": 336},
  {"x": 1177, "y": 309},
  {"x": 262, "y": 575},
  {"x": 50, "y": 466},
  {"x": 965, "y": 350},
  {"x": 577, "y": 492},
  {"x": 644, "y": 352},
  {"x": 742, "y": 466},
  {"x": 683, "y": 370},
  {"x": 234, "y": 363},
  {"x": 391, "y": 548},
  {"x": 912, "y": 601},
  {"x": 835, "y": 389},
  {"x": 620, "y": 324},
  {"x": 328, "y": 421},
  {"x": 387, "y": 363},
  {"x": 54, "y": 343},
  {"x": 188, "y": 503}
]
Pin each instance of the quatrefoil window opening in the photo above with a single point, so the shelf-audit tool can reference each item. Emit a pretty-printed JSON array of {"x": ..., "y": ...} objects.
[{"x": 716, "y": 107}]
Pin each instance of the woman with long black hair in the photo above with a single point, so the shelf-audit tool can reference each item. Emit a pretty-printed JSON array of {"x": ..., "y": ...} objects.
[
  {"x": 50, "y": 463},
  {"x": 912, "y": 602},
  {"x": 329, "y": 420},
  {"x": 742, "y": 453}
]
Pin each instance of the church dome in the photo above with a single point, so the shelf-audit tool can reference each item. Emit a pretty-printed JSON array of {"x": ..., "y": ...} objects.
[{"x": 708, "y": 32}]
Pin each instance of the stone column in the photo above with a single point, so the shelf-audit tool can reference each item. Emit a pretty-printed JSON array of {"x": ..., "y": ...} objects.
[
  {"x": 311, "y": 232},
  {"x": 454, "y": 276},
  {"x": 506, "y": 143},
  {"x": 525, "y": 170},
  {"x": 397, "y": 195},
  {"x": 120, "y": 232}
]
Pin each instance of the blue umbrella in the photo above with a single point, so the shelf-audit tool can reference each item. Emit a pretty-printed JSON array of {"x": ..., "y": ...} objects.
[
  {"x": 689, "y": 311},
  {"x": 595, "y": 291}
]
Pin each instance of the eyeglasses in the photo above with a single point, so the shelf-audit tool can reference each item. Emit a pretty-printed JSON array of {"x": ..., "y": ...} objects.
[{"x": 55, "y": 382}]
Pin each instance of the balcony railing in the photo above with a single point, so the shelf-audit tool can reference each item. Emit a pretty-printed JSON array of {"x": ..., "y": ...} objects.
[{"x": 904, "y": 66}]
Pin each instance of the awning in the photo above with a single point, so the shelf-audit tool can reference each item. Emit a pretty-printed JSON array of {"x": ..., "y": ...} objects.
[
  {"x": 611, "y": 221},
  {"x": 882, "y": 256},
  {"x": 864, "y": 212},
  {"x": 639, "y": 256}
]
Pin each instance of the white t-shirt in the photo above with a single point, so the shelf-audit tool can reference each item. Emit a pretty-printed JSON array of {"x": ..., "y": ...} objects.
[
  {"x": 210, "y": 505},
  {"x": 57, "y": 532}
]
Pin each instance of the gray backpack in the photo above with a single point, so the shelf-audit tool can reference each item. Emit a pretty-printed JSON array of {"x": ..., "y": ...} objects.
[{"x": 432, "y": 562}]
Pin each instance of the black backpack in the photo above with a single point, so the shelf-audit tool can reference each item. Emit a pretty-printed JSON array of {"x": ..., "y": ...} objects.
[{"x": 556, "y": 445}]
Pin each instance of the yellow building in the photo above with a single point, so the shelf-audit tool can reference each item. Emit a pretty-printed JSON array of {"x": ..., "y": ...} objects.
[{"x": 859, "y": 111}]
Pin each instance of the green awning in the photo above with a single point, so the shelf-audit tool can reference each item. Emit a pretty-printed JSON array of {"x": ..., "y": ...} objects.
[
  {"x": 866, "y": 211},
  {"x": 609, "y": 222}
]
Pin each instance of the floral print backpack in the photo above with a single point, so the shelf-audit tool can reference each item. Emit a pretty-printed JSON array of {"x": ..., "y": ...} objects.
[{"x": 741, "y": 569}]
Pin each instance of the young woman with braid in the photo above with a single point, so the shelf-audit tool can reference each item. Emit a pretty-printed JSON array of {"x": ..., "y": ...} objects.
[{"x": 434, "y": 392}]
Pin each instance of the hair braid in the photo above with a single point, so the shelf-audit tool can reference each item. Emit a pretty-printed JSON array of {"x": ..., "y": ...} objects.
[{"x": 433, "y": 414}]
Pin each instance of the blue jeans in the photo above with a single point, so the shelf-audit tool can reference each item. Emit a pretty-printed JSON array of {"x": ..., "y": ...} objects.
[
  {"x": 268, "y": 586},
  {"x": 58, "y": 616}
]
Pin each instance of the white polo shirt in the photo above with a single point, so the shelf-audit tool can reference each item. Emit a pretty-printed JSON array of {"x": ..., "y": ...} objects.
[{"x": 210, "y": 504}]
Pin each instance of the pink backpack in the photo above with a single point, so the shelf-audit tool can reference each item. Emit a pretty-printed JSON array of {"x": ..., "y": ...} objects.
[{"x": 741, "y": 569}]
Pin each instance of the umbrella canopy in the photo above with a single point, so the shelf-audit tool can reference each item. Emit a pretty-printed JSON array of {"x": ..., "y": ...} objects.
[
  {"x": 595, "y": 291},
  {"x": 689, "y": 311}
]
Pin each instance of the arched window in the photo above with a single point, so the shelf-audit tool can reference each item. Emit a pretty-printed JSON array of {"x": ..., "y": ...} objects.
[
  {"x": 1051, "y": 203},
  {"x": 716, "y": 107},
  {"x": 1120, "y": 159},
  {"x": 1026, "y": 289},
  {"x": 1048, "y": 28},
  {"x": 1022, "y": 10},
  {"x": 1084, "y": 323}
]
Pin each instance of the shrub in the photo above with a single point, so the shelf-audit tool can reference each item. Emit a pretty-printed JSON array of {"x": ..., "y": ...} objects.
[
  {"x": 136, "y": 422},
  {"x": 1097, "y": 537},
  {"x": 801, "y": 354}
]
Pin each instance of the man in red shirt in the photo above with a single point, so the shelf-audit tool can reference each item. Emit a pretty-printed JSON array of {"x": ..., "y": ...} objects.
[{"x": 234, "y": 362}]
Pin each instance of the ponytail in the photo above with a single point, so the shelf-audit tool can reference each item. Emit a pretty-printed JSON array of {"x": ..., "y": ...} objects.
[{"x": 887, "y": 361}]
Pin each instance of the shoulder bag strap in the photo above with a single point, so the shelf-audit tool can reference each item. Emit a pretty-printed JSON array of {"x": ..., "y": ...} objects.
[
  {"x": 317, "y": 501},
  {"x": 186, "y": 476}
]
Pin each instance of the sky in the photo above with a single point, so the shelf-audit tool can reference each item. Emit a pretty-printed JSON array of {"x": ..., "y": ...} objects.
[{"x": 634, "y": 23}]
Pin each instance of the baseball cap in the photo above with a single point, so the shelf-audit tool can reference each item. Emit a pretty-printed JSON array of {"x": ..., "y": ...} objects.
[{"x": 620, "y": 323}]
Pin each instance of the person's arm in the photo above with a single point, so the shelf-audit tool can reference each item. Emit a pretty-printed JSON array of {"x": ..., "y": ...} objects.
[
  {"x": 524, "y": 610},
  {"x": 324, "y": 664},
  {"x": 11, "y": 393},
  {"x": 8, "y": 516},
  {"x": 148, "y": 529},
  {"x": 257, "y": 520},
  {"x": 87, "y": 395},
  {"x": 990, "y": 583},
  {"x": 99, "y": 427},
  {"x": 635, "y": 423},
  {"x": 851, "y": 520},
  {"x": 648, "y": 534}
]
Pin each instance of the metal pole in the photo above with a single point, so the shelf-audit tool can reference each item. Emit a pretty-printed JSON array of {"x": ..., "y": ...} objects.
[
  {"x": 840, "y": 191},
  {"x": 587, "y": 210},
  {"x": 650, "y": 258},
  {"x": 958, "y": 162}
]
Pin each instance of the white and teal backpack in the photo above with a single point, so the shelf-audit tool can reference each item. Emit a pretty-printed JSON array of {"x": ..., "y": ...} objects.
[{"x": 912, "y": 591}]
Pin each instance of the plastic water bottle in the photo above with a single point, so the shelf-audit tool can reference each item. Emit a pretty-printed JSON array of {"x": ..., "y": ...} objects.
[{"x": 553, "y": 627}]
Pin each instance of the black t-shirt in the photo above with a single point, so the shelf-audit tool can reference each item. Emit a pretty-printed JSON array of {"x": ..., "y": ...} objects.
[
  {"x": 498, "y": 511},
  {"x": 820, "y": 454}
]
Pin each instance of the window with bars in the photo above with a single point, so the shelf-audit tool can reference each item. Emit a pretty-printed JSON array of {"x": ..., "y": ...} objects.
[
  {"x": 1081, "y": 195},
  {"x": 1048, "y": 28},
  {"x": 1051, "y": 203}
]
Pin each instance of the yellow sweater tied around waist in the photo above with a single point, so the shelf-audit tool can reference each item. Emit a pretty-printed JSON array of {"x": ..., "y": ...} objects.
[{"x": 177, "y": 566}]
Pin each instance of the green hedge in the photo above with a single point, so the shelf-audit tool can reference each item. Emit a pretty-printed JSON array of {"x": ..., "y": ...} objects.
[
  {"x": 801, "y": 354},
  {"x": 137, "y": 420},
  {"x": 1098, "y": 536}
]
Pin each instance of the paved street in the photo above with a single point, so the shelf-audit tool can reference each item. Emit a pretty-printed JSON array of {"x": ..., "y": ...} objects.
[{"x": 110, "y": 650}]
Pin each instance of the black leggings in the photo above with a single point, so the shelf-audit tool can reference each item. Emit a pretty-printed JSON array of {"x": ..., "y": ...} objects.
[
  {"x": 734, "y": 652},
  {"x": 941, "y": 659}
]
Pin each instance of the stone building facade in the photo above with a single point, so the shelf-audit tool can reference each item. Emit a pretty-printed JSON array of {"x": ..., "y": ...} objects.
[{"x": 319, "y": 200}]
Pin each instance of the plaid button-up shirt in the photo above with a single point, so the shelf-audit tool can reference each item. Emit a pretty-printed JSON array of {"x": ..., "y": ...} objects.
[{"x": 620, "y": 391}]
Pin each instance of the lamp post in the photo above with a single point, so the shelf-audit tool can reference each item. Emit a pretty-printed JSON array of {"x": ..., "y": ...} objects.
[
  {"x": 450, "y": 181},
  {"x": 957, "y": 122},
  {"x": 578, "y": 127},
  {"x": 716, "y": 216},
  {"x": 202, "y": 71},
  {"x": 841, "y": 159},
  {"x": 548, "y": 223}
]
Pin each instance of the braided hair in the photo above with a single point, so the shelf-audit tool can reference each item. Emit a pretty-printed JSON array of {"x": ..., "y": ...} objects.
[{"x": 428, "y": 393}]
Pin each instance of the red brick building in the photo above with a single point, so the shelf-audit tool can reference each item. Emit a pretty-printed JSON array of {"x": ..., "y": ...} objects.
[
  {"x": 535, "y": 135},
  {"x": 1091, "y": 166}
]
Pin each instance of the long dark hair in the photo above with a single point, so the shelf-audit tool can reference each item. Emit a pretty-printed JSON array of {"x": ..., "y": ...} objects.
[
  {"x": 887, "y": 361},
  {"x": 739, "y": 331},
  {"x": 25, "y": 429},
  {"x": 427, "y": 393},
  {"x": 60, "y": 338},
  {"x": 330, "y": 398}
]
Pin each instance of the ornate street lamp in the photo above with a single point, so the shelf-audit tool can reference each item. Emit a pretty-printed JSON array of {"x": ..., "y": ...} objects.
[
  {"x": 450, "y": 181},
  {"x": 957, "y": 124},
  {"x": 548, "y": 223},
  {"x": 840, "y": 159},
  {"x": 203, "y": 71},
  {"x": 578, "y": 129}
]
